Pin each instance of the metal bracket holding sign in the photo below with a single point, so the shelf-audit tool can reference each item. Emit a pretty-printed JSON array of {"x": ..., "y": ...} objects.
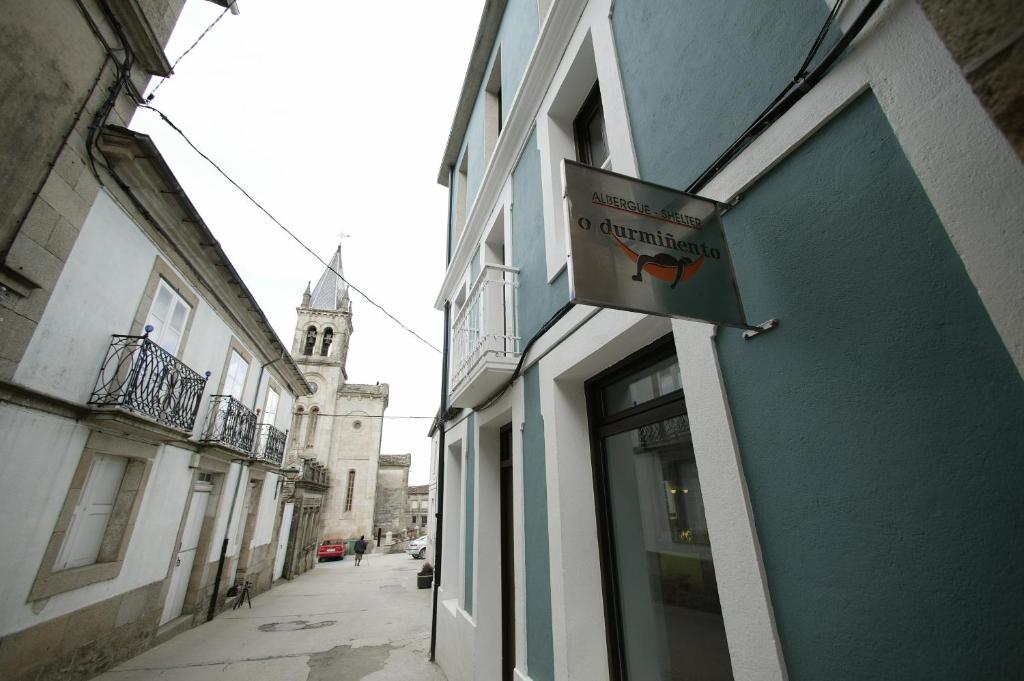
[{"x": 642, "y": 247}]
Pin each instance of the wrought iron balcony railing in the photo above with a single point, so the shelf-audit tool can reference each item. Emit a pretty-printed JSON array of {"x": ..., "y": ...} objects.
[
  {"x": 488, "y": 324},
  {"x": 230, "y": 423},
  {"x": 140, "y": 376},
  {"x": 270, "y": 444}
]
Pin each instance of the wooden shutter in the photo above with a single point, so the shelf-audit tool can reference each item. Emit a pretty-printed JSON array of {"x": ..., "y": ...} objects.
[{"x": 89, "y": 523}]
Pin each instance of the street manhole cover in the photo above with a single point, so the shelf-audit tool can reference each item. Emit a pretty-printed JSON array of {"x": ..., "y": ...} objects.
[{"x": 297, "y": 625}]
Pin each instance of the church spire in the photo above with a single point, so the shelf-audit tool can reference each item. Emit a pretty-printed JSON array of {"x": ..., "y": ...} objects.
[
  {"x": 331, "y": 290},
  {"x": 306, "y": 296}
]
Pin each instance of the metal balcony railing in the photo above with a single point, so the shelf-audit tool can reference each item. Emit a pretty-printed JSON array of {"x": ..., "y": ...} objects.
[
  {"x": 270, "y": 444},
  {"x": 140, "y": 376},
  {"x": 230, "y": 423},
  {"x": 488, "y": 323}
]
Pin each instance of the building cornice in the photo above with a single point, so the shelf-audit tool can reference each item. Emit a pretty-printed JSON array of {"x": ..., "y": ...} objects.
[
  {"x": 547, "y": 54},
  {"x": 144, "y": 43}
]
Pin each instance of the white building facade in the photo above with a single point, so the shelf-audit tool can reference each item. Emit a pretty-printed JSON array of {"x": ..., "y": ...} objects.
[
  {"x": 141, "y": 435},
  {"x": 627, "y": 496}
]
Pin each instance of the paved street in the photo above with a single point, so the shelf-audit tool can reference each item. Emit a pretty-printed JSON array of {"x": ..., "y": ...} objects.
[{"x": 338, "y": 622}]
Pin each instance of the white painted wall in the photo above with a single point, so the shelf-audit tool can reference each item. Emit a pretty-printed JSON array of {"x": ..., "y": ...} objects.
[
  {"x": 97, "y": 296},
  {"x": 38, "y": 456}
]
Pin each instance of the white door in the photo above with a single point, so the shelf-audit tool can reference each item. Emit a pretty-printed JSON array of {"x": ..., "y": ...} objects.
[
  {"x": 186, "y": 554},
  {"x": 240, "y": 529},
  {"x": 282, "y": 540}
]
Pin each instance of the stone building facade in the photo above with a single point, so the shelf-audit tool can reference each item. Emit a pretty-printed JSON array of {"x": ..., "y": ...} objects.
[
  {"x": 340, "y": 425},
  {"x": 419, "y": 507},
  {"x": 303, "y": 504},
  {"x": 391, "y": 508}
]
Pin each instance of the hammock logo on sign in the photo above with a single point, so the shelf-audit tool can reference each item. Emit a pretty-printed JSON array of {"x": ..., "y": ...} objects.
[{"x": 645, "y": 248}]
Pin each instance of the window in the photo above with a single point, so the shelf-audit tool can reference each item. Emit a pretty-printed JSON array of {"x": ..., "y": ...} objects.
[
  {"x": 270, "y": 407},
  {"x": 461, "y": 201},
  {"x": 310, "y": 341},
  {"x": 314, "y": 415},
  {"x": 492, "y": 106},
  {"x": 297, "y": 422},
  {"x": 350, "y": 489},
  {"x": 84, "y": 537},
  {"x": 234, "y": 379},
  {"x": 589, "y": 132},
  {"x": 325, "y": 344},
  {"x": 168, "y": 316},
  {"x": 661, "y": 596}
]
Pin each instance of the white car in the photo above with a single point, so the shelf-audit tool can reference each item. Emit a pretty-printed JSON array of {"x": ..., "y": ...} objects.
[{"x": 417, "y": 548}]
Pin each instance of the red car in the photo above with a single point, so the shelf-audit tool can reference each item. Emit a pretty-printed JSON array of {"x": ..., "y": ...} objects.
[{"x": 332, "y": 548}]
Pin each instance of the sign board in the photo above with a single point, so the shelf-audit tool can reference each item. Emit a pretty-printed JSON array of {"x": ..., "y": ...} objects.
[{"x": 645, "y": 248}]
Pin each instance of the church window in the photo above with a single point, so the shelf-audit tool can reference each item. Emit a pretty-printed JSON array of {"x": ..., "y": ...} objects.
[
  {"x": 314, "y": 415},
  {"x": 297, "y": 422},
  {"x": 350, "y": 489},
  {"x": 325, "y": 344},
  {"x": 310, "y": 341}
]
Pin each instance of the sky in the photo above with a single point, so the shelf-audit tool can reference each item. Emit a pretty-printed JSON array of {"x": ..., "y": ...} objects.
[{"x": 334, "y": 115}]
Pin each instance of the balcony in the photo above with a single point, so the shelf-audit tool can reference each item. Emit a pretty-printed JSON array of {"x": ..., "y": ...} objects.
[
  {"x": 139, "y": 376},
  {"x": 230, "y": 423},
  {"x": 485, "y": 337},
  {"x": 269, "y": 444}
]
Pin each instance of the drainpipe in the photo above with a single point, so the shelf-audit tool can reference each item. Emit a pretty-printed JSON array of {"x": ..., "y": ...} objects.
[
  {"x": 439, "y": 511},
  {"x": 224, "y": 544},
  {"x": 260, "y": 379}
]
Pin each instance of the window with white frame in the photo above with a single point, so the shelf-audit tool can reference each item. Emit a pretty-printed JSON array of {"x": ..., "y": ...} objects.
[
  {"x": 168, "y": 316},
  {"x": 270, "y": 407},
  {"x": 492, "y": 105},
  {"x": 84, "y": 537},
  {"x": 234, "y": 380},
  {"x": 582, "y": 117}
]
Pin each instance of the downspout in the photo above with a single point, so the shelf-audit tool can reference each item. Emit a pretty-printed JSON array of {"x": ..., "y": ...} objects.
[
  {"x": 442, "y": 412},
  {"x": 224, "y": 544},
  {"x": 259, "y": 380}
]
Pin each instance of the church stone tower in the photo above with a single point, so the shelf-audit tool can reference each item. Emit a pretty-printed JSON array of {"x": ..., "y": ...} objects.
[{"x": 340, "y": 424}]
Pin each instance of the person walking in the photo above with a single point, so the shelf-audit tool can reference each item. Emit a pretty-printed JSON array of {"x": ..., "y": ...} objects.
[{"x": 360, "y": 549}]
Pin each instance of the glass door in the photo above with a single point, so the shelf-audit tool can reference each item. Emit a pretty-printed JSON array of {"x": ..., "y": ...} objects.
[{"x": 661, "y": 597}]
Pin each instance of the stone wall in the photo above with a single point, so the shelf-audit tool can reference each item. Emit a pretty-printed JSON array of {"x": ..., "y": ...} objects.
[
  {"x": 986, "y": 37},
  {"x": 84, "y": 643}
]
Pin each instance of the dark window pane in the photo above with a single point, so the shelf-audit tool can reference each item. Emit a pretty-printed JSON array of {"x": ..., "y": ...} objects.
[
  {"x": 642, "y": 386},
  {"x": 672, "y": 624}
]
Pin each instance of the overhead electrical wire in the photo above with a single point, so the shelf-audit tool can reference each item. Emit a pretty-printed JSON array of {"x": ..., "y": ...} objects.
[
  {"x": 287, "y": 231},
  {"x": 192, "y": 47},
  {"x": 123, "y": 80}
]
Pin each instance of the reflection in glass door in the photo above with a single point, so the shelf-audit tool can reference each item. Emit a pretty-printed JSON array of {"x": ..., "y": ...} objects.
[{"x": 662, "y": 606}]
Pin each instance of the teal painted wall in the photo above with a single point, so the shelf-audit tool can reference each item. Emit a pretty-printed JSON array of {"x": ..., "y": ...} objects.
[
  {"x": 470, "y": 510},
  {"x": 516, "y": 37},
  {"x": 538, "y": 300},
  {"x": 880, "y": 426},
  {"x": 695, "y": 74},
  {"x": 540, "y": 659}
]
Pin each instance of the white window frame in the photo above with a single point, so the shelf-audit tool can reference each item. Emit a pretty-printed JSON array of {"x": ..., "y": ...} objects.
[
  {"x": 232, "y": 383},
  {"x": 161, "y": 327},
  {"x": 589, "y": 57}
]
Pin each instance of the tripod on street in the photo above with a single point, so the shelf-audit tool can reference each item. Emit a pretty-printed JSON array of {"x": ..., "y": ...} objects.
[{"x": 243, "y": 596}]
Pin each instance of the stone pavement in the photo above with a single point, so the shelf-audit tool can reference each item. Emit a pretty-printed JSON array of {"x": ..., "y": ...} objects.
[{"x": 337, "y": 622}]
